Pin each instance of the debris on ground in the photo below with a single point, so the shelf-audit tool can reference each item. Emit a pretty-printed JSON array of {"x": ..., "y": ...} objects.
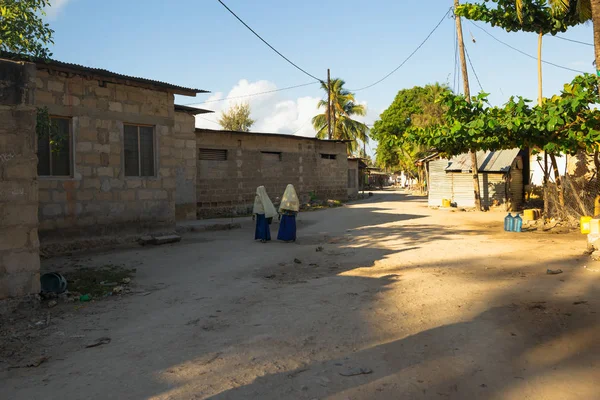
[
  {"x": 576, "y": 303},
  {"x": 98, "y": 282},
  {"x": 297, "y": 261},
  {"x": 554, "y": 271},
  {"x": 319, "y": 249},
  {"x": 34, "y": 364},
  {"x": 99, "y": 342},
  {"x": 591, "y": 269},
  {"x": 52, "y": 303},
  {"x": 117, "y": 289},
  {"x": 126, "y": 280},
  {"x": 85, "y": 297},
  {"x": 158, "y": 239},
  {"x": 357, "y": 371}
]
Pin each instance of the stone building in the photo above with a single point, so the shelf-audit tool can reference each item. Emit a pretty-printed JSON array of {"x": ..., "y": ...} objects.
[
  {"x": 19, "y": 244},
  {"x": 125, "y": 157},
  {"x": 231, "y": 165},
  {"x": 116, "y": 155}
]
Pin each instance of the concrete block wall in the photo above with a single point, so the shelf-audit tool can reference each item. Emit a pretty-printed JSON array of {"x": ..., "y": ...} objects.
[
  {"x": 185, "y": 172},
  {"x": 19, "y": 244},
  {"x": 228, "y": 187},
  {"x": 97, "y": 198}
]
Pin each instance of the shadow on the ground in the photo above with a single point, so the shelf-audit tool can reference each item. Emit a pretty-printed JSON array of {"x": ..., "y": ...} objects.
[
  {"x": 519, "y": 339},
  {"x": 330, "y": 324}
]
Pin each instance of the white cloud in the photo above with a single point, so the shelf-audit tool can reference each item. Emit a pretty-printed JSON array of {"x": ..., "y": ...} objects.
[
  {"x": 272, "y": 112},
  {"x": 55, "y": 8}
]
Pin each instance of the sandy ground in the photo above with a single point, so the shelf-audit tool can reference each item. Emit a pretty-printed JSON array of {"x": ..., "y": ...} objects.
[{"x": 412, "y": 303}]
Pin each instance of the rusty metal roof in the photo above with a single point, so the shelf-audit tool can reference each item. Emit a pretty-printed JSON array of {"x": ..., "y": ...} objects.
[
  {"x": 487, "y": 161},
  {"x": 101, "y": 73}
]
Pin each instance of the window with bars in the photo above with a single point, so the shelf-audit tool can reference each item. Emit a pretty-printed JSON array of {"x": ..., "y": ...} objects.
[
  {"x": 139, "y": 150},
  {"x": 212, "y": 154},
  {"x": 54, "y": 150}
]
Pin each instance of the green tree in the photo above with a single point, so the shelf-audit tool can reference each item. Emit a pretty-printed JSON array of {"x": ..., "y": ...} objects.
[
  {"x": 537, "y": 16},
  {"x": 416, "y": 107},
  {"x": 22, "y": 29},
  {"x": 344, "y": 107},
  {"x": 237, "y": 118}
]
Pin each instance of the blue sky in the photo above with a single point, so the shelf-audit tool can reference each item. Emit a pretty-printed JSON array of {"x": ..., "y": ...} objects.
[{"x": 199, "y": 44}]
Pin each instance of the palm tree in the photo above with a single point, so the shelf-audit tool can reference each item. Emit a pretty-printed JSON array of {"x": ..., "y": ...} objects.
[
  {"x": 584, "y": 10},
  {"x": 344, "y": 107}
]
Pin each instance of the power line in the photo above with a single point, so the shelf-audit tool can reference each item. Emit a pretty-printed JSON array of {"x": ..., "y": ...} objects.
[
  {"x": 574, "y": 41},
  {"x": 473, "y": 68},
  {"x": 522, "y": 52},
  {"x": 252, "y": 94},
  {"x": 206, "y": 119},
  {"x": 267, "y": 43},
  {"x": 407, "y": 58}
]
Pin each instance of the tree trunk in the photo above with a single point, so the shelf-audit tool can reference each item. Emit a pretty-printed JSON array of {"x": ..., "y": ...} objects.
[
  {"x": 596, "y": 22},
  {"x": 557, "y": 180},
  {"x": 546, "y": 175},
  {"x": 463, "y": 66},
  {"x": 539, "y": 60}
]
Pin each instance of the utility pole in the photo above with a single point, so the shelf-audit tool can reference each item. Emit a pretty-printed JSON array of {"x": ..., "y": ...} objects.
[
  {"x": 329, "y": 104},
  {"x": 463, "y": 66}
]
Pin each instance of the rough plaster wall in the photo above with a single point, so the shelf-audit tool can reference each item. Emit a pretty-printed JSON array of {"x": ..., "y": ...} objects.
[
  {"x": 228, "y": 187},
  {"x": 19, "y": 244},
  {"x": 98, "y": 199}
]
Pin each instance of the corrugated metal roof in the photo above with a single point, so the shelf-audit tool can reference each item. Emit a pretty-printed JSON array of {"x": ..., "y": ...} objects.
[
  {"x": 191, "y": 110},
  {"x": 40, "y": 62},
  {"x": 200, "y": 130},
  {"x": 487, "y": 161}
]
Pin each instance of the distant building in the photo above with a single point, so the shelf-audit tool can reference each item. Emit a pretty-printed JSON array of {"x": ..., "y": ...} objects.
[{"x": 500, "y": 179}]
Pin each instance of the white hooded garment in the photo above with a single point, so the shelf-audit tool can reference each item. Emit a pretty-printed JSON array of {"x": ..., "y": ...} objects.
[
  {"x": 289, "y": 201},
  {"x": 263, "y": 204}
]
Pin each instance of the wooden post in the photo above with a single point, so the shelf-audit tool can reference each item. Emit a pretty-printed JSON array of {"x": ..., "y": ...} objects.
[
  {"x": 329, "y": 105},
  {"x": 463, "y": 65}
]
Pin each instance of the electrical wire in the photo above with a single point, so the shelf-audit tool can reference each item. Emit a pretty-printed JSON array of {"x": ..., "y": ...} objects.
[
  {"x": 206, "y": 119},
  {"x": 522, "y": 52},
  {"x": 572, "y": 40},
  {"x": 252, "y": 94},
  {"x": 407, "y": 58},
  {"x": 267, "y": 43},
  {"x": 473, "y": 68}
]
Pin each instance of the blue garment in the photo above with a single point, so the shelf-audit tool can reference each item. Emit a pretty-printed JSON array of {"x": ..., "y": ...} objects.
[
  {"x": 263, "y": 230},
  {"x": 287, "y": 228}
]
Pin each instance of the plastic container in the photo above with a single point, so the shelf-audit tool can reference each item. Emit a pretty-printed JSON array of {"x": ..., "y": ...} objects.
[
  {"x": 509, "y": 222},
  {"x": 517, "y": 224},
  {"x": 53, "y": 282},
  {"x": 595, "y": 226},
  {"x": 584, "y": 225},
  {"x": 446, "y": 203},
  {"x": 529, "y": 215}
]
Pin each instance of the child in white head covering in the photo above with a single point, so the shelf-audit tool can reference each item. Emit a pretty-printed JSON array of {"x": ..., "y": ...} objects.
[
  {"x": 264, "y": 211},
  {"x": 290, "y": 205}
]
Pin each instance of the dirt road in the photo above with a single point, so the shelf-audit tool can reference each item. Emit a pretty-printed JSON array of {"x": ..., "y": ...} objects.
[{"x": 390, "y": 300}]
